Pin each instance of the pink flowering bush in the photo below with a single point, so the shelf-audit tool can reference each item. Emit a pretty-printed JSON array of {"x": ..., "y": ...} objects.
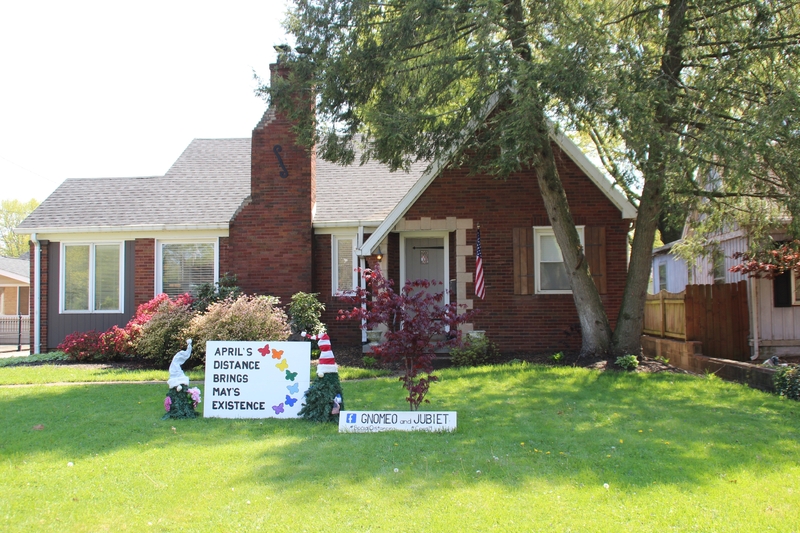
[{"x": 83, "y": 346}]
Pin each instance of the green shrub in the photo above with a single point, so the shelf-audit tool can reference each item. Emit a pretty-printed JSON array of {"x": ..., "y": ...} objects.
[
  {"x": 209, "y": 293},
  {"x": 165, "y": 334},
  {"x": 628, "y": 362},
  {"x": 476, "y": 351},
  {"x": 557, "y": 357},
  {"x": 246, "y": 318},
  {"x": 787, "y": 381},
  {"x": 305, "y": 312},
  {"x": 369, "y": 361}
]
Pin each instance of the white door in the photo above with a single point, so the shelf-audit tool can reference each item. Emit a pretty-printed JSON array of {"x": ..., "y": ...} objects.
[{"x": 425, "y": 260}]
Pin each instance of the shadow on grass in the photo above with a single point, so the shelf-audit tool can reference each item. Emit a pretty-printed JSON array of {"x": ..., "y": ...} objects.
[{"x": 516, "y": 425}]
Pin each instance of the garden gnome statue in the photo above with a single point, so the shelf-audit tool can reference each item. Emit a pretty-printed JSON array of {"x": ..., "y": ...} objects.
[
  {"x": 176, "y": 375},
  {"x": 323, "y": 399}
]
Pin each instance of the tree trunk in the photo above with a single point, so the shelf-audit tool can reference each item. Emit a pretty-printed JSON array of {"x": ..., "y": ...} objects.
[
  {"x": 595, "y": 329},
  {"x": 628, "y": 332}
]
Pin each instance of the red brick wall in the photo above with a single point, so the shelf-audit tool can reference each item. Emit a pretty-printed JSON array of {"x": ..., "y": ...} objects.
[
  {"x": 271, "y": 237},
  {"x": 144, "y": 283},
  {"x": 342, "y": 333},
  {"x": 537, "y": 323}
]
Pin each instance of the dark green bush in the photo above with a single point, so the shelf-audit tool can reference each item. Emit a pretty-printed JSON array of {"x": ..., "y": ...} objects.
[
  {"x": 209, "y": 293},
  {"x": 787, "y": 381},
  {"x": 305, "y": 312},
  {"x": 475, "y": 351},
  {"x": 164, "y": 335}
]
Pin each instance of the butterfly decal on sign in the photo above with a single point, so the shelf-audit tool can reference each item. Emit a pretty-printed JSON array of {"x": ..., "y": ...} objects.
[
  {"x": 264, "y": 351},
  {"x": 283, "y": 365},
  {"x": 290, "y": 375},
  {"x": 277, "y": 354},
  {"x": 293, "y": 389},
  {"x": 278, "y": 408},
  {"x": 290, "y": 401}
]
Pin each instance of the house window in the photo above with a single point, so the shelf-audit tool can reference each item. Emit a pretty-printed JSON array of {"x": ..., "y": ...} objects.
[
  {"x": 551, "y": 274},
  {"x": 343, "y": 261},
  {"x": 183, "y": 266},
  {"x": 719, "y": 267},
  {"x": 91, "y": 278},
  {"x": 795, "y": 288},
  {"x": 662, "y": 277}
]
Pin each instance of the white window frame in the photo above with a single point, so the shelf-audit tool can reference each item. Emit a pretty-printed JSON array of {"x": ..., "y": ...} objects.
[
  {"x": 538, "y": 232},
  {"x": 335, "y": 237},
  {"x": 662, "y": 281},
  {"x": 795, "y": 294},
  {"x": 159, "y": 266},
  {"x": 62, "y": 278}
]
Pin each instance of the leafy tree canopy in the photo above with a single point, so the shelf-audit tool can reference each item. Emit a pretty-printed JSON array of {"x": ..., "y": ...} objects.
[{"x": 12, "y": 212}]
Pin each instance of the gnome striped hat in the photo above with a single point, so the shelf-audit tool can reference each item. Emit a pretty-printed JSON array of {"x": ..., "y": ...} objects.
[{"x": 327, "y": 363}]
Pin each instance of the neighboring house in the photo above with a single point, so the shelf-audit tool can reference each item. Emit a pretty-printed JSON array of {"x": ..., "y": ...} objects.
[
  {"x": 284, "y": 221},
  {"x": 670, "y": 272},
  {"x": 774, "y": 305},
  {"x": 14, "y": 299}
]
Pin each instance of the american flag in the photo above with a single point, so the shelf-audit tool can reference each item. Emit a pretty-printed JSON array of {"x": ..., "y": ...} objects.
[{"x": 480, "y": 290}]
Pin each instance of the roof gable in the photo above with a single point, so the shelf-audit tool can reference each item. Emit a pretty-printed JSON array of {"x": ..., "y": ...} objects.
[{"x": 627, "y": 210}]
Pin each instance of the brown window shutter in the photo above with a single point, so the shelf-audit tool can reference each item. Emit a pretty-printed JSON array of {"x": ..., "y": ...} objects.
[
  {"x": 595, "y": 244},
  {"x": 523, "y": 260}
]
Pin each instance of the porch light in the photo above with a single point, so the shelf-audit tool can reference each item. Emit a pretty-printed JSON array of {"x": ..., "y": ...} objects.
[{"x": 379, "y": 254}]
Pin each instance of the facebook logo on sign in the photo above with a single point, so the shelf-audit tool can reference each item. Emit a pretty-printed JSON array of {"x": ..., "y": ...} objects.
[{"x": 351, "y": 418}]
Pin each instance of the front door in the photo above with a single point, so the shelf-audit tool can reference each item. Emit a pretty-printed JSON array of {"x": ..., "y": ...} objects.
[{"x": 424, "y": 259}]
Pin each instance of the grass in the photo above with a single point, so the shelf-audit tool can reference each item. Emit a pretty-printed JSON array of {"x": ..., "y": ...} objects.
[
  {"x": 533, "y": 450},
  {"x": 21, "y": 372}
]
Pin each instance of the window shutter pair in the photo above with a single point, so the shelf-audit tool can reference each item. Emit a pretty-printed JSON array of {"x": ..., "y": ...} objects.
[{"x": 524, "y": 266}]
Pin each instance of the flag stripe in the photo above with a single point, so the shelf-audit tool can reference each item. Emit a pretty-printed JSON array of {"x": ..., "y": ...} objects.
[{"x": 480, "y": 289}]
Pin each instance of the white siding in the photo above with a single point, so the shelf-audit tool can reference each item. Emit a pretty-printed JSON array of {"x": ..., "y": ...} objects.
[
  {"x": 776, "y": 323},
  {"x": 677, "y": 276}
]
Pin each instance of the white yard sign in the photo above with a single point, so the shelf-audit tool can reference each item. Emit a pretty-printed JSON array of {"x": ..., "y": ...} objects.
[
  {"x": 374, "y": 421},
  {"x": 256, "y": 379}
]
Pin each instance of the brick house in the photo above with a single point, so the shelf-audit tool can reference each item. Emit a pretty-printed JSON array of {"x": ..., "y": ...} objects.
[{"x": 284, "y": 221}]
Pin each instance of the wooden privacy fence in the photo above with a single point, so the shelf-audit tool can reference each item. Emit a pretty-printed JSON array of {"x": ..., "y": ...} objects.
[{"x": 716, "y": 315}]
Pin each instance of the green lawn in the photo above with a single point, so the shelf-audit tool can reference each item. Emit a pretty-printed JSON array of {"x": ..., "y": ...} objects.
[{"x": 533, "y": 450}]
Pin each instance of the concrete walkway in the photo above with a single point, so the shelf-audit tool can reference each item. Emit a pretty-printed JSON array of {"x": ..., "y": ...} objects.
[{"x": 10, "y": 350}]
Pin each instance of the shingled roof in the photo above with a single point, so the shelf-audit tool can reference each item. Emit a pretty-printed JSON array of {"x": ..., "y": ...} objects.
[
  {"x": 18, "y": 268},
  {"x": 205, "y": 187}
]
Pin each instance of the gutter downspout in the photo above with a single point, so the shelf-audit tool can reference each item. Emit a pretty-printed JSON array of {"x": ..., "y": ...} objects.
[
  {"x": 362, "y": 263},
  {"x": 37, "y": 292},
  {"x": 756, "y": 353}
]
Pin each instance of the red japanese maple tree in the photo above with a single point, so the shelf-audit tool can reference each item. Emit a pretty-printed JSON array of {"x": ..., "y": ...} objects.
[{"x": 418, "y": 322}]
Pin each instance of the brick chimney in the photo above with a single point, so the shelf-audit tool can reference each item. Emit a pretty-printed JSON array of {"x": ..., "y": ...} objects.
[{"x": 270, "y": 243}]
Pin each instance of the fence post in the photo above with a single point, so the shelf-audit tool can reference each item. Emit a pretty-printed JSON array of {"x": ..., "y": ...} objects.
[{"x": 663, "y": 304}]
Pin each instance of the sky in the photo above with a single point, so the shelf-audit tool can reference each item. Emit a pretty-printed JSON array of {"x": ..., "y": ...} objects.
[{"x": 116, "y": 89}]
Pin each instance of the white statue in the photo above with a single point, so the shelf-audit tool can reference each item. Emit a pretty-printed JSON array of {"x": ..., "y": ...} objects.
[{"x": 176, "y": 375}]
